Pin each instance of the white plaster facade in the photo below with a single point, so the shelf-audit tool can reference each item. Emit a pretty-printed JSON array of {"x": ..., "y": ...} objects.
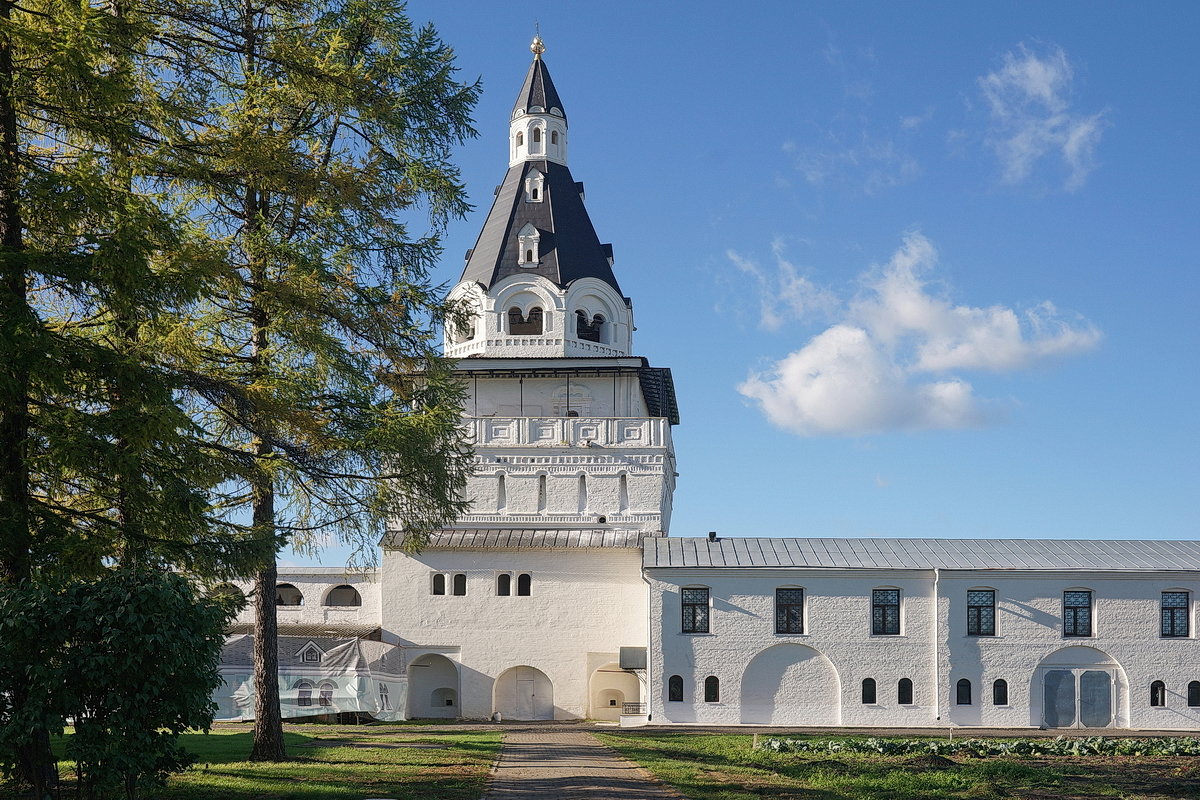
[
  {"x": 559, "y": 595},
  {"x": 816, "y": 677}
]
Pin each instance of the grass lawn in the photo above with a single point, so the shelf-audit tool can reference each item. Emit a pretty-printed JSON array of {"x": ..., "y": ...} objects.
[
  {"x": 725, "y": 767},
  {"x": 334, "y": 762}
]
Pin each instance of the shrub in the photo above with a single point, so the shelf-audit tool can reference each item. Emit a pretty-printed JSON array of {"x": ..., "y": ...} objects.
[{"x": 130, "y": 658}]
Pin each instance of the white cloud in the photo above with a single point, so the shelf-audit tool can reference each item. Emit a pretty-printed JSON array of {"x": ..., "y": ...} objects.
[
  {"x": 784, "y": 293},
  {"x": 1029, "y": 99},
  {"x": 885, "y": 365}
]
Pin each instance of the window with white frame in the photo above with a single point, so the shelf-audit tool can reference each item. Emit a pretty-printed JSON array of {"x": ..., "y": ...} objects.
[
  {"x": 885, "y": 612},
  {"x": 527, "y": 245},
  {"x": 1077, "y": 613},
  {"x": 981, "y": 612},
  {"x": 1175, "y": 614},
  {"x": 789, "y": 610},
  {"x": 695, "y": 609},
  {"x": 535, "y": 187}
]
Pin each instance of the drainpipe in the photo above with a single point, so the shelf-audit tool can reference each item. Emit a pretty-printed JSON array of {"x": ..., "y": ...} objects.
[
  {"x": 937, "y": 661},
  {"x": 649, "y": 644}
]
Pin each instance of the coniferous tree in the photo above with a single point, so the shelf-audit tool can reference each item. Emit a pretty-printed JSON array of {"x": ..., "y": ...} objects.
[{"x": 315, "y": 359}]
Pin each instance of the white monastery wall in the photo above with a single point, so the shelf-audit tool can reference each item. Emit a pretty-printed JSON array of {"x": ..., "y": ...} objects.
[
  {"x": 314, "y": 584},
  {"x": 583, "y": 606},
  {"x": 1029, "y": 628},
  {"x": 742, "y": 627},
  {"x": 816, "y": 678}
]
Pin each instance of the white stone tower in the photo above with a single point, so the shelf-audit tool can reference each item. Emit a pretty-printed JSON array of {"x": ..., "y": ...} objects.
[{"x": 571, "y": 430}]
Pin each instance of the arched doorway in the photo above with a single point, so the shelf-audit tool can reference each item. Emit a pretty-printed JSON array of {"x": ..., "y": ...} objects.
[
  {"x": 432, "y": 688},
  {"x": 791, "y": 684},
  {"x": 1079, "y": 687},
  {"x": 523, "y": 693},
  {"x": 609, "y": 688}
]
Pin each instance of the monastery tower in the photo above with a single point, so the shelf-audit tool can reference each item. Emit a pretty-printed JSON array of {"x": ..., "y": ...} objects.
[{"x": 570, "y": 429}]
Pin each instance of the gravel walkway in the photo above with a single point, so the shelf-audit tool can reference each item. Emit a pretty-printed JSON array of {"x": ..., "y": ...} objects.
[{"x": 557, "y": 764}]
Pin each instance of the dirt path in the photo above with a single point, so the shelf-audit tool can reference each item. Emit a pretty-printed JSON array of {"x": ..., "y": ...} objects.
[{"x": 556, "y": 764}]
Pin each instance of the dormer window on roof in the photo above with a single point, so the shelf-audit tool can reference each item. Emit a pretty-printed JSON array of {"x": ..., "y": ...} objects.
[
  {"x": 535, "y": 187},
  {"x": 310, "y": 654},
  {"x": 527, "y": 241}
]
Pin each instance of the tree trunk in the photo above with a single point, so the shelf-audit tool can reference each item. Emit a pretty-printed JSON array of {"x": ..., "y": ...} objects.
[
  {"x": 268, "y": 722},
  {"x": 35, "y": 761}
]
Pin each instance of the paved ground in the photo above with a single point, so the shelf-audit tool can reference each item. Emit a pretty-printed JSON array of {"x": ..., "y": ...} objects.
[{"x": 560, "y": 763}]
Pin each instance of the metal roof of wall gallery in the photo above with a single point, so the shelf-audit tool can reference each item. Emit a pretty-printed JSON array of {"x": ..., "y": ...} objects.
[{"x": 950, "y": 554}]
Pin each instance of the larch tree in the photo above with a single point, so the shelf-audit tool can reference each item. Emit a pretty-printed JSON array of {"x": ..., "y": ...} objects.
[
  {"x": 329, "y": 126},
  {"x": 102, "y": 467}
]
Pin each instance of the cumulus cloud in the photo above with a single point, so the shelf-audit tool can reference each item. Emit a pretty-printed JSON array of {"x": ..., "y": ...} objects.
[
  {"x": 886, "y": 365},
  {"x": 1029, "y": 100},
  {"x": 784, "y": 294}
]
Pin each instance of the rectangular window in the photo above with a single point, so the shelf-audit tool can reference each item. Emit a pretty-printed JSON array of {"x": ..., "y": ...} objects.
[
  {"x": 695, "y": 610},
  {"x": 1077, "y": 613},
  {"x": 885, "y": 612},
  {"x": 789, "y": 611},
  {"x": 981, "y": 612},
  {"x": 1174, "y": 613}
]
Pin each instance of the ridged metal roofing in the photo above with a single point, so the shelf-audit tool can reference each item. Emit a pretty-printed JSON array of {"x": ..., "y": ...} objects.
[
  {"x": 1099, "y": 554},
  {"x": 556, "y": 539},
  {"x": 568, "y": 249},
  {"x": 538, "y": 90}
]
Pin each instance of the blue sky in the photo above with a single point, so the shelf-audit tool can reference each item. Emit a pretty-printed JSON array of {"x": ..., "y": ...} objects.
[{"x": 918, "y": 269}]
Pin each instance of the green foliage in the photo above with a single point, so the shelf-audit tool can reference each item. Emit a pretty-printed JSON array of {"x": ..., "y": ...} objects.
[
  {"x": 328, "y": 126},
  {"x": 988, "y": 748},
  {"x": 130, "y": 658}
]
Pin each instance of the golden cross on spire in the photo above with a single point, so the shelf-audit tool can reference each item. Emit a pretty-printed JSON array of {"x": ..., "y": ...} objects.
[{"x": 538, "y": 46}]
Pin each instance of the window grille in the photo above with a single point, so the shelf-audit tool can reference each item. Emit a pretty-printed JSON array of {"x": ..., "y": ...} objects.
[
  {"x": 1000, "y": 692},
  {"x": 1174, "y": 613},
  {"x": 1158, "y": 694},
  {"x": 695, "y": 610},
  {"x": 712, "y": 689},
  {"x": 885, "y": 612},
  {"x": 962, "y": 692},
  {"x": 1077, "y": 613},
  {"x": 789, "y": 611},
  {"x": 304, "y": 694},
  {"x": 904, "y": 692},
  {"x": 868, "y": 691},
  {"x": 312, "y": 656},
  {"x": 675, "y": 689},
  {"x": 981, "y": 612}
]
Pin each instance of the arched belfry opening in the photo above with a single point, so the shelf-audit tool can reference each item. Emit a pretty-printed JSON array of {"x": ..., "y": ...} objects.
[{"x": 525, "y": 324}]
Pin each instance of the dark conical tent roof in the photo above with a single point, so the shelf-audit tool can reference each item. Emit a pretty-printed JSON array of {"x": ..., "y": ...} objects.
[
  {"x": 538, "y": 90},
  {"x": 568, "y": 248}
]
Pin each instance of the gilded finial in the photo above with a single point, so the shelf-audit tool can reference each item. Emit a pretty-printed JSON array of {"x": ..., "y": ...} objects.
[{"x": 538, "y": 46}]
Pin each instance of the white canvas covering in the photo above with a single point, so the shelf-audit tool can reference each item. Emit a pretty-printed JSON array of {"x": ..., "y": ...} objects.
[{"x": 317, "y": 676}]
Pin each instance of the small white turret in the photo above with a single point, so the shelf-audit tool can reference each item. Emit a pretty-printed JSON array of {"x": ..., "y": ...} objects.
[{"x": 537, "y": 129}]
